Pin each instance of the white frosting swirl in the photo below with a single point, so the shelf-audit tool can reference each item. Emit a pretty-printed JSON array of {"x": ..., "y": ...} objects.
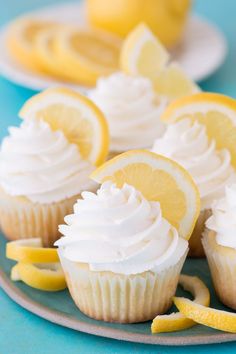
[
  {"x": 118, "y": 230},
  {"x": 188, "y": 144},
  {"x": 41, "y": 164},
  {"x": 223, "y": 219},
  {"x": 132, "y": 110}
]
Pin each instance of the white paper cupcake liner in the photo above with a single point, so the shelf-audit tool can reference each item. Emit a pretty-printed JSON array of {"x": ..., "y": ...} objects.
[
  {"x": 20, "y": 218},
  {"x": 121, "y": 298},
  {"x": 222, "y": 263},
  {"x": 195, "y": 245}
]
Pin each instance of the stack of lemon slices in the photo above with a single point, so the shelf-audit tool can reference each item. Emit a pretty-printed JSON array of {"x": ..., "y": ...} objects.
[{"x": 62, "y": 51}]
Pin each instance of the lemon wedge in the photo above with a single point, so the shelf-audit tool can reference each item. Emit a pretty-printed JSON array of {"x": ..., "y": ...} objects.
[
  {"x": 158, "y": 179},
  {"x": 143, "y": 54},
  {"x": 218, "y": 319},
  {"x": 174, "y": 83},
  {"x": 77, "y": 116},
  {"x": 30, "y": 251},
  {"x": 47, "y": 277},
  {"x": 177, "y": 321},
  {"x": 215, "y": 111}
]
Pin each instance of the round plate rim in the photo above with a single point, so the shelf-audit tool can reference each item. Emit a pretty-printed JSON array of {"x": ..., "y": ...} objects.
[
  {"x": 37, "y": 82},
  {"x": 55, "y": 317}
]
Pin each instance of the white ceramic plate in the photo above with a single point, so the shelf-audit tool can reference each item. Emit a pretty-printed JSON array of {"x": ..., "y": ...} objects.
[{"x": 201, "y": 51}]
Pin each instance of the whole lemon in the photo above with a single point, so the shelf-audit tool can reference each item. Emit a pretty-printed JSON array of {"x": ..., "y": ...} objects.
[{"x": 166, "y": 18}]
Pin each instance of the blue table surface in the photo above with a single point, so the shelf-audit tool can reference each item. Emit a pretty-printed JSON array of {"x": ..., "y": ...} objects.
[{"x": 24, "y": 333}]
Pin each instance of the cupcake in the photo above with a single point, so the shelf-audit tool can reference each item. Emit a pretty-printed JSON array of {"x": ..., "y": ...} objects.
[
  {"x": 187, "y": 143},
  {"x": 41, "y": 177},
  {"x": 132, "y": 110},
  {"x": 219, "y": 243},
  {"x": 121, "y": 258}
]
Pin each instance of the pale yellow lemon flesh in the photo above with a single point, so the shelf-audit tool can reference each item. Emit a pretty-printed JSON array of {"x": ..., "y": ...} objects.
[
  {"x": 158, "y": 179},
  {"x": 77, "y": 116},
  {"x": 215, "y": 111}
]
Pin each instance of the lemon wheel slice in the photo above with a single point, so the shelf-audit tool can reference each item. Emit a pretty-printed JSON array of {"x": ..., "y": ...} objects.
[
  {"x": 218, "y": 319},
  {"x": 30, "y": 251},
  {"x": 158, "y": 179},
  {"x": 217, "y": 112},
  {"x": 47, "y": 277},
  {"x": 86, "y": 55},
  {"x": 20, "y": 40},
  {"x": 78, "y": 117},
  {"x": 45, "y": 53},
  {"x": 143, "y": 54},
  {"x": 177, "y": 321}
]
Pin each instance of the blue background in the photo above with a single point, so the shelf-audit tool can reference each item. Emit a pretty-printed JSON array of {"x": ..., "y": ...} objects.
[{"x": 24, "y": 333}]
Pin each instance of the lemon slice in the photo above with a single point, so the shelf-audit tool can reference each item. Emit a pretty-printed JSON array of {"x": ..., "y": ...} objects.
[
  {"x": 177, "y": 321},
  {"x": 47, "y": 277},
  {"x": 79, "y": 118},
  {"x": 20, "y": 40},
  {"x": 217, "y": 112},
  {"x": 30, "y": 251},
  {"x": 158, "y": 179},
  {"x": 86, "y": 55},
  {"x": 143, "y": 54},
  {"x": 45, "y": 52},
  {"x": 218, "y": 319}
]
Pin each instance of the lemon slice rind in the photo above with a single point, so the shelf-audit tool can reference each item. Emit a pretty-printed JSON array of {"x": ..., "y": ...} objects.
[
  {"x": 30, "y": 251},
  {"x": 47, "y": 277},
  {"x": 218, "y": 319},
  {"x": 176, "y": 321}
]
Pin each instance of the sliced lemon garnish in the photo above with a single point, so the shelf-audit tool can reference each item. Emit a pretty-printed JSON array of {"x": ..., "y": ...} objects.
[
  {"x": 176, "y": 321},
  {"x": 47, "y": 277},
  {"x": 174, "y": 83},
  {"x": 77, "y": 116},
  {"x": 143, "y": 54},
  {"x": 20, "y": 40},
  {"x": 218, "y": 319},
  {"x": 158, "y": 179},
  {"x": 46, "y": 55},
  {"x": 86, "y": 55},
  {"x": 215, "y": 111},
  {"x": 30, "y": 251}
]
